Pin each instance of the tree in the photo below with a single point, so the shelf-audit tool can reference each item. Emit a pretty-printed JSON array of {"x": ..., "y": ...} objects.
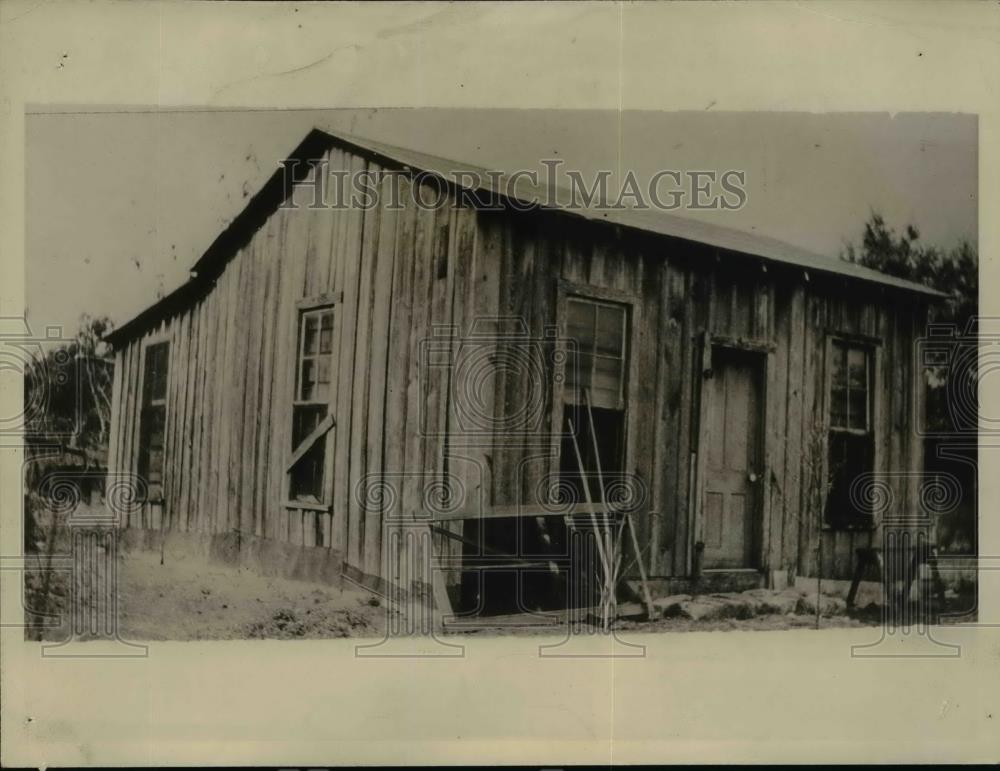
[
  {"x": 954, "y": 272},
  {"x": 71, "y": 384},
  {"x": 952, "y": 387}
]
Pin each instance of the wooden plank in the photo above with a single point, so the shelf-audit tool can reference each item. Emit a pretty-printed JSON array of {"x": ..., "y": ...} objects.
[
  {"x": 199, "y": 460},
  {"x": 318, "y": 226},
  {"x": 454, "y": 464},
  {"x": 209, "y": 390},
  {"x": 381, "y": 326},
  {"x": 166, "y": 472},
  {"x": 360, "y": 396},
  {"x": 812, "y": 419},
  {"x": 206, "y": 454},
  {"x": 262, "y": 502},
  {"x": 442, "y": 318},
  {"x": 220, "y": 426},
  {"x": 114, "y": 441},
  {"x": 176, "y": 504},
  {"x": 294, "y": 534},
  {"x": 182, "y": 341},
  {"x": 133, "y": 428},
  {"x": 778, "y": 399},
  {"x": 125, "y": 418},
  {"x": 216, "y": 425},
  {"x": 484, "y": 302},
  {"x": 435, "y": 263},
  {"x": 511, "y": 511},
  {"x": 792, "y": 477},
  {"x": 397, "y": 374},
  {"x": 412, "y": 483},
  {"x": 291, "y": 239},
  {"x": 128, "y": 410},
  {"x": 252, "y": 367},
  {"x": 701, "y": 311},
  {"x": 232, "y": 402},
  {"x": 330, "y": 243},
  {"x": 644, "y": 361},
  {"x": 309, "y": 527},
  {"x": 321, "y": 428},
  {"x": 478, "y": 296},
  {"x": 673, "y": 349},
  {"x": 918, "y": 398},
  {"x": 183, "y": 434},
  {"x": 121, "y": 458},
  {"x": 349, "y": 274},
  {"x": 282, "y": 378},
  {"x": 189, "y": 488},
  {"x": 504, "y": 458},
  {"x": 237, "y": 394},
  {"x": 341, "y": 248}
]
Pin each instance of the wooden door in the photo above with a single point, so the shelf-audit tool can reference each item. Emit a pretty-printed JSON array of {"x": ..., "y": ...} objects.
[{"x": 731, "y": 442}]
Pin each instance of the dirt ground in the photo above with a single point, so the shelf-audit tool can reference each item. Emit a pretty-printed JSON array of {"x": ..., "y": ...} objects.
[
  {"x": 188, "y": 600},
  {"x": 192, "y": 600}
]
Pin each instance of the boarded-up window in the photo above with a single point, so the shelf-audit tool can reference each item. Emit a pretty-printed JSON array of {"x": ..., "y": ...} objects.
[
  {"x": 596, "y": 365},
  {"x": 851, "y": 438},
  {"x": 153, "y": 419},
  {"x": 312, "y": 402}
]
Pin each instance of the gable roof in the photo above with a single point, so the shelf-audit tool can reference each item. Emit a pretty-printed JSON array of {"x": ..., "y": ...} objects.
[{"x": 279, "y": 186}]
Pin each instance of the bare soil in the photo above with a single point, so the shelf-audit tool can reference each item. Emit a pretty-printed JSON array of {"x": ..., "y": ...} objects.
[
  {"x": 189, "y": 600},
  {"x": 192, "y": 600}
]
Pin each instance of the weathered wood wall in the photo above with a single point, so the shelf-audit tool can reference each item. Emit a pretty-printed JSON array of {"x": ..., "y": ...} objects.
[{"x": 416, "y": 277}]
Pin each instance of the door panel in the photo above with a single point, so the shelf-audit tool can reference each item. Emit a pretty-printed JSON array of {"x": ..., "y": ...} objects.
[{"x": 731, "y": 443}]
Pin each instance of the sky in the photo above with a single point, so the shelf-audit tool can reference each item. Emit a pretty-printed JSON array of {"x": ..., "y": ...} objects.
[{"x": 121, "y": 204}]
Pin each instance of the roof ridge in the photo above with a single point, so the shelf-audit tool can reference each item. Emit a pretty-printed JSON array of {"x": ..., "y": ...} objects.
[{"x": 319, "y": 140}]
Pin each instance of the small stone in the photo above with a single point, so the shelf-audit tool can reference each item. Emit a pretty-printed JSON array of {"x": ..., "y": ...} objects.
[
  {"x": 772, "y": 602},
  {"x": 706, "y": 609},
  {"x": 670, "y": 606},
  {"x": 828, "y": 606}
]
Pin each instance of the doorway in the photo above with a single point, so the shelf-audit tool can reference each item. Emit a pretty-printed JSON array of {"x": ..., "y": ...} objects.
[{"x": 732, "y": 448}]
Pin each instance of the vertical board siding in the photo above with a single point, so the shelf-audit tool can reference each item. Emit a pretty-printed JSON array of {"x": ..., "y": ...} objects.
[{"x": 455, "y": 277}]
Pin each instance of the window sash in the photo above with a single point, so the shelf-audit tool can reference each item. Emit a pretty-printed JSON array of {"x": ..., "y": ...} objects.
[
  {"x": 156, "y": 358},
  {"x": 584, "y": 362},
  {"x": 307, "y": 478},
  {"x": 844, "y": 391},
  {"x": 151, "y": 462},
  {"x": 850, "y": 445},
  {"x": 324, "y": 323}
]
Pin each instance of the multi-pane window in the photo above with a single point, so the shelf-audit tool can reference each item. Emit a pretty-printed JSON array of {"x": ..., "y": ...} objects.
[
  {"x": 153, "y": 419},
  {"x": 595, "y": 373},
  {"x": 851, "y": 438},
  {"x": 312, "y": 402}
]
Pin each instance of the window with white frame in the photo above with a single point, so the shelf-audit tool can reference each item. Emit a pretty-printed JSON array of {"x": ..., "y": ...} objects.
[
  {"x": 595, "y": 374},
  {"x": 311, "y": 417}
]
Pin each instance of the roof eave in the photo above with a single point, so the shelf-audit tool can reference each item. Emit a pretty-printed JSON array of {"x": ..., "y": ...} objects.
[{"x": 279, "y": 185}]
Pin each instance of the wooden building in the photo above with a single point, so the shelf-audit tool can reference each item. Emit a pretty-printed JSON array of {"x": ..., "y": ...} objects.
[{"x": 330, "y": 370}]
